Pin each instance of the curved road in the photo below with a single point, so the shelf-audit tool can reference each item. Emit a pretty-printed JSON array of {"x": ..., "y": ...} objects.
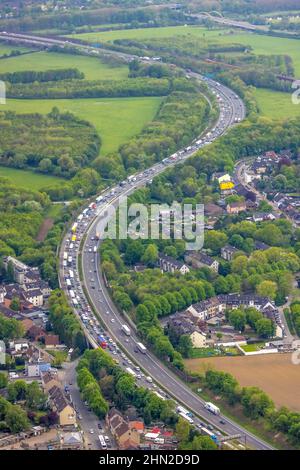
[
  {"x": 95, "y": 286},
  {"x": 232, "y": 110}
]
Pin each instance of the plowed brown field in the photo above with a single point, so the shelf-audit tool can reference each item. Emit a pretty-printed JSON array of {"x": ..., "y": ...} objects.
[{"x": 273, "y": 373}]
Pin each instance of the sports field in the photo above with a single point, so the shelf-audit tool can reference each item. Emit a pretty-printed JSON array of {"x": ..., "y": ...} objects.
[
  {"x": 115, "y": 119},
  {"x": 273, "y": 373}
]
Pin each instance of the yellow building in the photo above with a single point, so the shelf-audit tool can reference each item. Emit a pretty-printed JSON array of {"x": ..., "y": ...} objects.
[
  {"x": 66, "y": 413},
  {"x": 198, "y": 339}
]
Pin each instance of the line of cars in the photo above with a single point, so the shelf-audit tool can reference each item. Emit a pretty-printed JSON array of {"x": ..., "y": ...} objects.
[
  {"x": 76, "y": 297},
  {"x": 100, "y": 336},
  {"x": 93, "y": 280}
]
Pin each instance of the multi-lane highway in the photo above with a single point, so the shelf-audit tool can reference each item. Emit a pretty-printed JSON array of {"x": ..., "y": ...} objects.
[{"x": 89, "y": 296}]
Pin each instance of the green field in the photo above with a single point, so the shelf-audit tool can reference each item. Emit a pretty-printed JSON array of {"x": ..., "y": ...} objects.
[
  {"x": 260, "y": 44},
  {"x": 145, "y": 33},
  {"x": 28, "y": 179},
  {"x": 116, "y": 119},
  {"x": 252, "y": 347},
  {"x": 92, "y": 67},
  {"x": 275, "y": 104},
  {"x": 5, "y": 49}
]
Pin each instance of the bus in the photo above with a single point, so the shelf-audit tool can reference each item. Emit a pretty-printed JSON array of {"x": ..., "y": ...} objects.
[
  {"x": 186, "y": 417},
  {"x": 68, "y": 282},
  {"x": 71, "y": 274},
  {"x": 102, "y": 441},
  {"x": 126, "y": 330}
]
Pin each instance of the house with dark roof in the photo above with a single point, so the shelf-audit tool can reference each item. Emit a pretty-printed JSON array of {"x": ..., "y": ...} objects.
[
  {"x": 60, "y": 404},
  {"x": 228, "y": 252},
  {"x": 171, "y": 265},
  {"x": 261, "y": 245},
  {"x": 209, "y": 308},
  {"x": 125, "y": 435},
  {"x": 50, "y": 380},
  {"x": 185, "y": 326},
  {"x": 198, "y": 260},
  {"x": 212, "y": 210}
]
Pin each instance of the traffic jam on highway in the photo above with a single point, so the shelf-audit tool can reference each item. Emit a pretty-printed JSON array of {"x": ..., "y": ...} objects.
[
  {"x": 117, "y": 336},
  {"x": 97, "y": 332}
]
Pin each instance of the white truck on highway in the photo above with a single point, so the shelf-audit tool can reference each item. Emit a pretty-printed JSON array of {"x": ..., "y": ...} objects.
[
  {"x": 212, "y": 408},
  {"x": 142, "y": 348},
  {"x": 131, "y": 178},
  {"x": 126, "y": 330}
]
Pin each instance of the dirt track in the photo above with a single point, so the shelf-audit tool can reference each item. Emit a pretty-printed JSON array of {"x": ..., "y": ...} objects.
[
  {"x": 273, "y": 373},
  {"x": 45, "y": 227}
]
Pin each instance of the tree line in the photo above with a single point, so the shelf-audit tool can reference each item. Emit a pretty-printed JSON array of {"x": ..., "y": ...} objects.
[
  {"x": 67, "y": 89},
  {"x": 31, "y": 76},
  {"x": 255, "y": 404},
  {"x": 65, "y": 323}
]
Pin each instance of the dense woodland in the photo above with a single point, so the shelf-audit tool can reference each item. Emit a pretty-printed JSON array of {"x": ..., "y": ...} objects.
[
  {"x": 22, "y": 214},
  {"x": 69, "y": 21},
  {"x": 57, "y": 143}
]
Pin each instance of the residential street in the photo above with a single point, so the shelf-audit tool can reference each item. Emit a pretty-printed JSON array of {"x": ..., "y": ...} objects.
[{"x": 89, "y": 419}]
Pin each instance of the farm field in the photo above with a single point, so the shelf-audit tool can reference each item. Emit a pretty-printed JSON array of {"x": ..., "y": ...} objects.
[
  {"x": 276, "y": 104},
  {"x": 260, "y": 44},
  {"x": 273, "y": 373},
  {"x": 92, "y": 67},
  {"x": 28, "y": 179},
  {"x": 115, "y": 119}
]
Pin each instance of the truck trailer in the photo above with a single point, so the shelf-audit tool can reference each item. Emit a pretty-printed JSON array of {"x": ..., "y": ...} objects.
[{"x": 212, "y": 408}]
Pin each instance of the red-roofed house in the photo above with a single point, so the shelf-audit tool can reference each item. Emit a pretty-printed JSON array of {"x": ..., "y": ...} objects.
[{"x": 137, "y": 425}]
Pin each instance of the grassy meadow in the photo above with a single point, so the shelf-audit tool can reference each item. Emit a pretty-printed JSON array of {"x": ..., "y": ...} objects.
[
  {"x": 28, "y": 179},
  {"x": 276, "y": 104},
  {"x": 115, "y": 119},
  {"x": 93, "y": 68}
]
